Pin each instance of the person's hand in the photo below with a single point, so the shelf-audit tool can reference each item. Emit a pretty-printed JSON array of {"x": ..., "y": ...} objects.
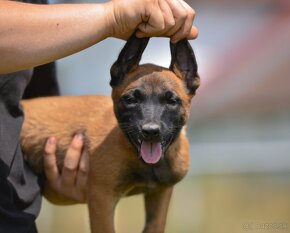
[
  {"x": 168, "y": 18},
  {"x": 71, "y": 183}
]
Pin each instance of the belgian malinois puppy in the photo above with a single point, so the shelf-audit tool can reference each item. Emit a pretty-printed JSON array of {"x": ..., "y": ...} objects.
[{"x": 136, "y": 139}]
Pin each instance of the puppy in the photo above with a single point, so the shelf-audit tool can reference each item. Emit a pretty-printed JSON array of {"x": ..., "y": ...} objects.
[{"x": 136, "y": 140}]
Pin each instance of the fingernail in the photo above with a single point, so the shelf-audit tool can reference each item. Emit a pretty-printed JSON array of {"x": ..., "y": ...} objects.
[
  {"x": 51, "y": 141},
  {"x": 79, "y": 136}
]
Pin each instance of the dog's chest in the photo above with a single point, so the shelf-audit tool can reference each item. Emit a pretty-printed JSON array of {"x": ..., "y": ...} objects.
[{"x": 146, "y": 177}]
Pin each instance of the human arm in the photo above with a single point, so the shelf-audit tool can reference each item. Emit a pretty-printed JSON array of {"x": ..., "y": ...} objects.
[{"x": 31, "y": 35}]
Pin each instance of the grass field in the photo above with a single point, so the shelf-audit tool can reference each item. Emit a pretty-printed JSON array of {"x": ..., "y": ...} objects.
[{"x": 223, "y": 203}]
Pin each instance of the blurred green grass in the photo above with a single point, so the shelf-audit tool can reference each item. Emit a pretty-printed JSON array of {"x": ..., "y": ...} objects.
[{"x": 220, "y": 203}]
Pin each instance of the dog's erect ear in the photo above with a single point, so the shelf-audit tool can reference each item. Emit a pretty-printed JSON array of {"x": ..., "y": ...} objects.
[
  {"x": 183, "y": 64},
  {"x": 128, "y": 59}
]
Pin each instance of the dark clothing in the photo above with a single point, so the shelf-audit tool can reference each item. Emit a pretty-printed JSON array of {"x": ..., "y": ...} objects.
[
  {"x": 20, "y": 197},
  {"x": 43, "y": 82},
  {"x": 20, "y": 192}
]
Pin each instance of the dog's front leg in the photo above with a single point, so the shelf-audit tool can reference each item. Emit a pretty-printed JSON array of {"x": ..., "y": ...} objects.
[
  {"x": 102, "y": 204},
  {"x": 156, "y": 206}
]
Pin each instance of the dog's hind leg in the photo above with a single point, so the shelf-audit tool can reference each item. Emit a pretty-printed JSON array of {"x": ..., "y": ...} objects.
[{"x": 156, "y": 206}]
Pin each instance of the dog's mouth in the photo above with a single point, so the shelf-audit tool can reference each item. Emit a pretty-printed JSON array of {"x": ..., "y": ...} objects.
[{"x": 151, "y": 152}]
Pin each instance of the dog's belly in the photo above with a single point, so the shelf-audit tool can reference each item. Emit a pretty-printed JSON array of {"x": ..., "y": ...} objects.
[{"x": 62, "y": 117}]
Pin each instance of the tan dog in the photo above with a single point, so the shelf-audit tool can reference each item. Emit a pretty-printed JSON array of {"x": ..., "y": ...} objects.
[{"x": 142, "y": 148}]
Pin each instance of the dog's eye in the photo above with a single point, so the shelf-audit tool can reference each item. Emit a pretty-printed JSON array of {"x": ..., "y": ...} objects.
[
  {"x": 171, "y": 99},
  {"x": 130, "y": 100},
  {"x": 133, "y": 98},
  {"x": 137, "y": 94}
]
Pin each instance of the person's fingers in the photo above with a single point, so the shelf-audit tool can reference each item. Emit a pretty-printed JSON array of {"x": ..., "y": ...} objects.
[
  {"x": 168, "y": 18},
  {"x": 152, "y": 20},
  {"x": 50, "y": 162},
  {"x": 185, "y": 30},
  {"x": 71, "y": 161},
  {"x": 71, "y": 183},
  {"x": 82, "y": 176},
  {"x": 178, "y": 29},
  {"x": 169, "y": 21},
  {"x": 179, "y": 13},
  {"x": 193, "y": 33}
]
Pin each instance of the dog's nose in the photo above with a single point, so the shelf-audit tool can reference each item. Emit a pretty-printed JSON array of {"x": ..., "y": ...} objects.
[{"x": 151, "y": 131}]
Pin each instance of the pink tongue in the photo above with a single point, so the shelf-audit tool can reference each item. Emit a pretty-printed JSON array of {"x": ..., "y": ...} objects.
[{"x": 151, "y": 152}]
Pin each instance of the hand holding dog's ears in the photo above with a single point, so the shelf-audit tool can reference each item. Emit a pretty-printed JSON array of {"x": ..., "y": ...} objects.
[{"x": 183, "y": 62}]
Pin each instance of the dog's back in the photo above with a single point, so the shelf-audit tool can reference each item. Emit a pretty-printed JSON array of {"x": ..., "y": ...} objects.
[{"x": 63, "y": 117}]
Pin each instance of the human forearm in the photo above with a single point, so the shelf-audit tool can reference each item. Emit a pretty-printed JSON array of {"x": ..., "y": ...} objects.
[{"x": 32, "y": 34}]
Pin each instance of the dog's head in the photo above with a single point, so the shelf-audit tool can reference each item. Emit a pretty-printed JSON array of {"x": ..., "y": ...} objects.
[{"x": 152, "y": 103}]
